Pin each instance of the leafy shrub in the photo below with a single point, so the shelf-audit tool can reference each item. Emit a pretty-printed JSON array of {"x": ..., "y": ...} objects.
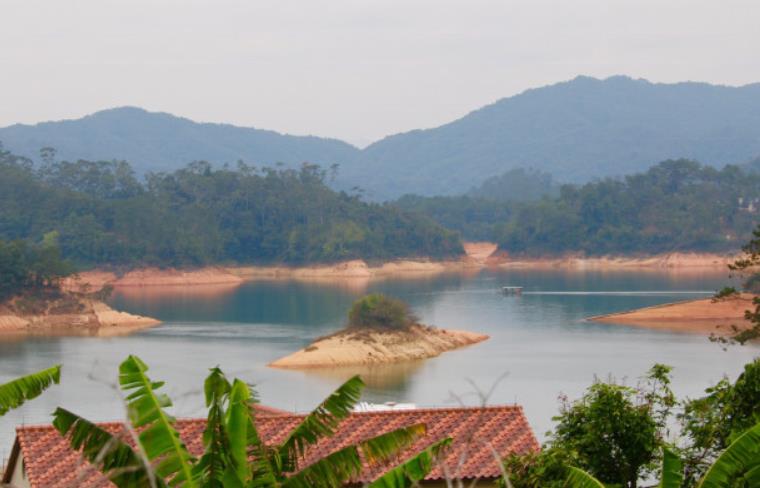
[{"x": 378, "y": 310}]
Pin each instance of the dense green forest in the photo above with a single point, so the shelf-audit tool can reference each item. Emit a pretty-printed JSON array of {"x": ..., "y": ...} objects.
[
  {"x": 517, "y": 185},
  {"x": 25, "y": 267},
  {"x": 102, "y": 214},
  {"x": 677, "y": 205}
]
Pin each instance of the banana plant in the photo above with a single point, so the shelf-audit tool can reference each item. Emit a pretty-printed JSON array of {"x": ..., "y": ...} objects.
[
  {"x": 14, "y": 393},
  {"x": 577, "y": 478},
  {"x": 412, "y": 471},
  {"x": 672, "y": 474},
  {"x": 738, "y": 466},
  {"x": 672, "y": 470},
  {"x": 234, "y": 453}
]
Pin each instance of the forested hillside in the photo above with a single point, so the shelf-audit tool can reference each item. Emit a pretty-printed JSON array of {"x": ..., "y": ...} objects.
[
  {"x": 576, "y": 131},
  {"x": 100, "y": 213},
  {"x": 678, "y": 205}
]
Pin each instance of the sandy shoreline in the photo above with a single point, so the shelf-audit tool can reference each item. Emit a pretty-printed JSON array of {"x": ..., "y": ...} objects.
[
  {"x": 479, "y": 255},
  {"x": 370, "y": 346},
  {"x": 702, "y": 316},
  {"x": 670, "y": 261},
  {"x": 93, "y": 318}
]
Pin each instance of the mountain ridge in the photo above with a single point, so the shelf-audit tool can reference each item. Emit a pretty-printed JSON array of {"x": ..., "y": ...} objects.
[{"x": 577, "y": 130}]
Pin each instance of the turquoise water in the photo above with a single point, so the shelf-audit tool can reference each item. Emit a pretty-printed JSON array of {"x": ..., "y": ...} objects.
[{"x": 540, "y": 346}]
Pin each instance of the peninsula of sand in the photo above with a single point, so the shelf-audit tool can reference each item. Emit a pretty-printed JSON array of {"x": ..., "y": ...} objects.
[
  {"x": 704, "y": 316},
  {"x": 478, "y": 255},
  {"x": 67, "y": 315},
  {"x": 370, "y": 346}
]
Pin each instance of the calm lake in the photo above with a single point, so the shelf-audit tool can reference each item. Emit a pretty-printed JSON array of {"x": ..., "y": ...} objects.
[{"x": 540, "y": 347}]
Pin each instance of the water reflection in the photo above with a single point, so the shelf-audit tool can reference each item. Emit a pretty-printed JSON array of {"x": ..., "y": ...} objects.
[{"x": 392, "y": 379}]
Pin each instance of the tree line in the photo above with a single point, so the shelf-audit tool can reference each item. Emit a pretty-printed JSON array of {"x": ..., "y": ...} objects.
[
  {"x": 103, "y": 214},
  {"x": 677, "y": 205},
  {"x": 25, "y": 267}
]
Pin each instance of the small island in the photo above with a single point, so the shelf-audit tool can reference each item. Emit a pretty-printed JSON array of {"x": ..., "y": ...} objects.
[{"x": 380, "y": 329}]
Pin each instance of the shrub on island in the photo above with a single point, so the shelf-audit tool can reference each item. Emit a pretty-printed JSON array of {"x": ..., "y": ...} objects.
[{"x": 380, "y": 311}]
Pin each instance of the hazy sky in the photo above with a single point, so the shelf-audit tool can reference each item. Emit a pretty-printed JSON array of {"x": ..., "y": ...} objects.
[{"x": 352, "y": 69}]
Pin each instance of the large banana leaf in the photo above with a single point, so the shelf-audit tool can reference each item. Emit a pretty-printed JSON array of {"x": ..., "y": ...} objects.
[
  {"x": 343, "y": 465},
  {"x": 329, "y": 472},
  {"x": 384, "y": 447},
  {"x": 113, "y": 457},
  {"x": 211, "y": 467},
  {"x": 266, "y": 465},
  {"x": 413, "y": 470},
  {"x": 14, "y": 393},
  {"x": 158, "y": 437},
  {"x": 577, "y": 478},
  {"x": 740, "y": 461},
  {"x": 672, "y": 470},
  {"x": 238, "y": 422},
  {"x": 321, "y": 422}
]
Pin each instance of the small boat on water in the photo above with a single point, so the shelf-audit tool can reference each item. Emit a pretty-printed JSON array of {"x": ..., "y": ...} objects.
[{"x": 512, "y": 290}]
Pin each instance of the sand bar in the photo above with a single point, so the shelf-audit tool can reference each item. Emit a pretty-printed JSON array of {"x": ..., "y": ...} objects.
[{"x": 704, "y": 316}]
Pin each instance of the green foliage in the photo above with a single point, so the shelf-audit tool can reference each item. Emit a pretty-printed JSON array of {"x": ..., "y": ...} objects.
[
  {"x": 748, "y": 263},
  {"x": 577, "y": 478},
  {"x": 199, "y": 215},
  {"x": 547, "y": 468},
  {"x": 613, "y": 436},
  {"x": 28, "y": 268},
  {"x": 672, "y": 470},
  {"x": 158, "y": 437},
  {"x": 413, "y": 470},
  {"x": 475, "y": 218},
  {"x": 14, "y": 393},
  {"x": 738, "y": 466},
  {"x": 614, "y": 432},
  {"x": 517, "y": 185},
  {"x": 116, "y": 459},
  {"x": 381, "y": 311},
  {"x": 725, "y": 292},
  {"x": 712, "y": 422},
  {"x": 674, "y": 206},
  {"x": 234, "y": 455},
  {"x": 752, "y": 284}
]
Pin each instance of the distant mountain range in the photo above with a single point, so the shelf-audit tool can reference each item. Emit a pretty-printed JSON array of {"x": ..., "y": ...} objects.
[{"x": 575, "y": 130}]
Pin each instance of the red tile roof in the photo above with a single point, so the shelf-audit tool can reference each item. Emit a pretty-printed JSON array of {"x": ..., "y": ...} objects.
[{"x": 478, "y": 434}]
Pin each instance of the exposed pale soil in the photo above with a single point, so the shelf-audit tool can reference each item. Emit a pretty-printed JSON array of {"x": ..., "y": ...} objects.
[
  {"x": 674, "y": 261},
  {"x": 703, "y": 316},
  {"x": 374, "y": 346},
  {"x": 479, "y": 255}
]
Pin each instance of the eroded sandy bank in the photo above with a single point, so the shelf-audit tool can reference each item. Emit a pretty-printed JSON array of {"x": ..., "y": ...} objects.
[
  {"x": 97, "y": 279},
  {"x": 85, "y": 317},
  {"x": 373, "y": 346},
  {"x": 479, "y": 255},
  {"x": 670, "y": 261},
  {"x": 703, "y": 316}
]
